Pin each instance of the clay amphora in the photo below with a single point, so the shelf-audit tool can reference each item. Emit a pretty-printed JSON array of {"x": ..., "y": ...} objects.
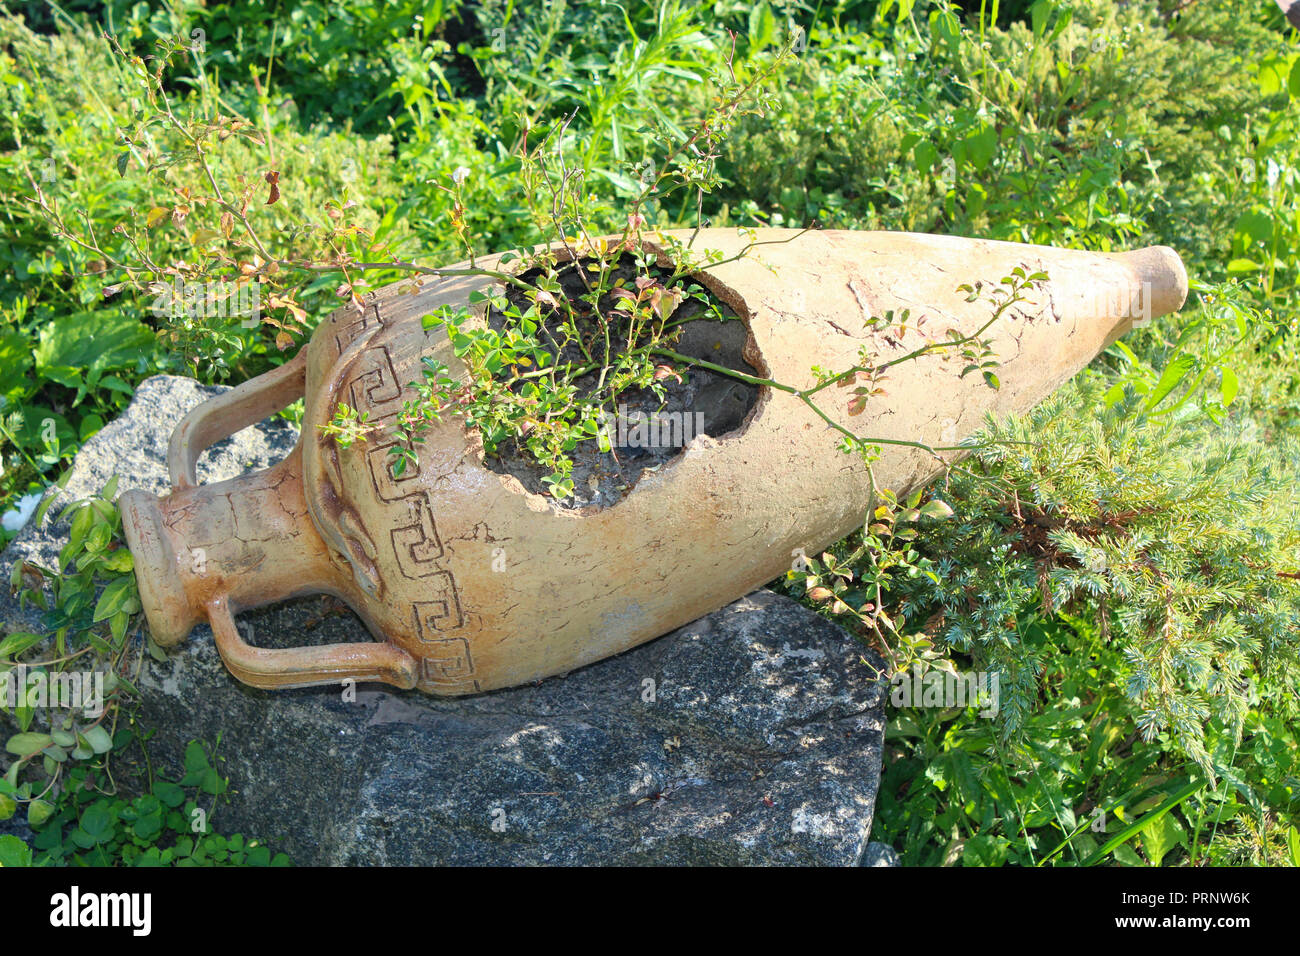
[{"x": 468, "y": 582}]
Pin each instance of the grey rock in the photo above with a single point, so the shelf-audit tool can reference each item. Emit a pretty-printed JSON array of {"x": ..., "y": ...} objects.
[
  {"x": 17, "y": 826},
  {"x": 879, "y": 854},
  {"x": 751, "y": 736}
]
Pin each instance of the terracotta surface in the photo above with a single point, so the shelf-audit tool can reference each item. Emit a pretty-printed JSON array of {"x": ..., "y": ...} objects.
[{"x": 469, "y": 583}]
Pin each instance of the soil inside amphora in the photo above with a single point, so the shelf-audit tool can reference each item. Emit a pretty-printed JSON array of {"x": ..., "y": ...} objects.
[{"x": 646, "y": 432}]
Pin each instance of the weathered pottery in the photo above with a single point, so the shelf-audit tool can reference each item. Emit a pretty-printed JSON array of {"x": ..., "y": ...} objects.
[{"x": 471, "y": 583}]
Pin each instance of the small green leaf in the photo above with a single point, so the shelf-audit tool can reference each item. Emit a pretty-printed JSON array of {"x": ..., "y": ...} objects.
[
  {"x": 169, "y": 793},
  {"x": 17, "y": 642},
  {"x": 196, "y": 758},
  {"x": 934, "y": 508},
  {"x": 1174, "y": 373},
  {"x": 38, "y": 811},
  {"x": 23, "y": 744},
  {"x": 99, "y": 739},
  {"x": 1229, "y": 384},
  {"x": 925, "y": 156},
  {"x": 98, "y": 821},
  {"x": 14, "y": 852},
  {"x": 1125, "y": 855},
  {"x": 1161, "y": 835},
  {"x": 116, "y": 597}
]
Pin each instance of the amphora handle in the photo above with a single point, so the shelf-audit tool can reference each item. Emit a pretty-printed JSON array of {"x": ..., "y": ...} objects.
[
  {"x": 221, "y": 417},
  {"x": 171, "y": 599}
]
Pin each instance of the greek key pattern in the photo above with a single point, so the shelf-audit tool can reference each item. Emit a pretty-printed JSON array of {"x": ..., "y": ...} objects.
[
  {"x": 387, "y": 487},
  {"x": 432, "y": 618},
  {"x": 416, "y": 543},
  {"x": 347, "y": 334},
  {"x": 447, "y": 666},
  {"x": 374, "y": 386},
  {"x": 445, "y": 661}
]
